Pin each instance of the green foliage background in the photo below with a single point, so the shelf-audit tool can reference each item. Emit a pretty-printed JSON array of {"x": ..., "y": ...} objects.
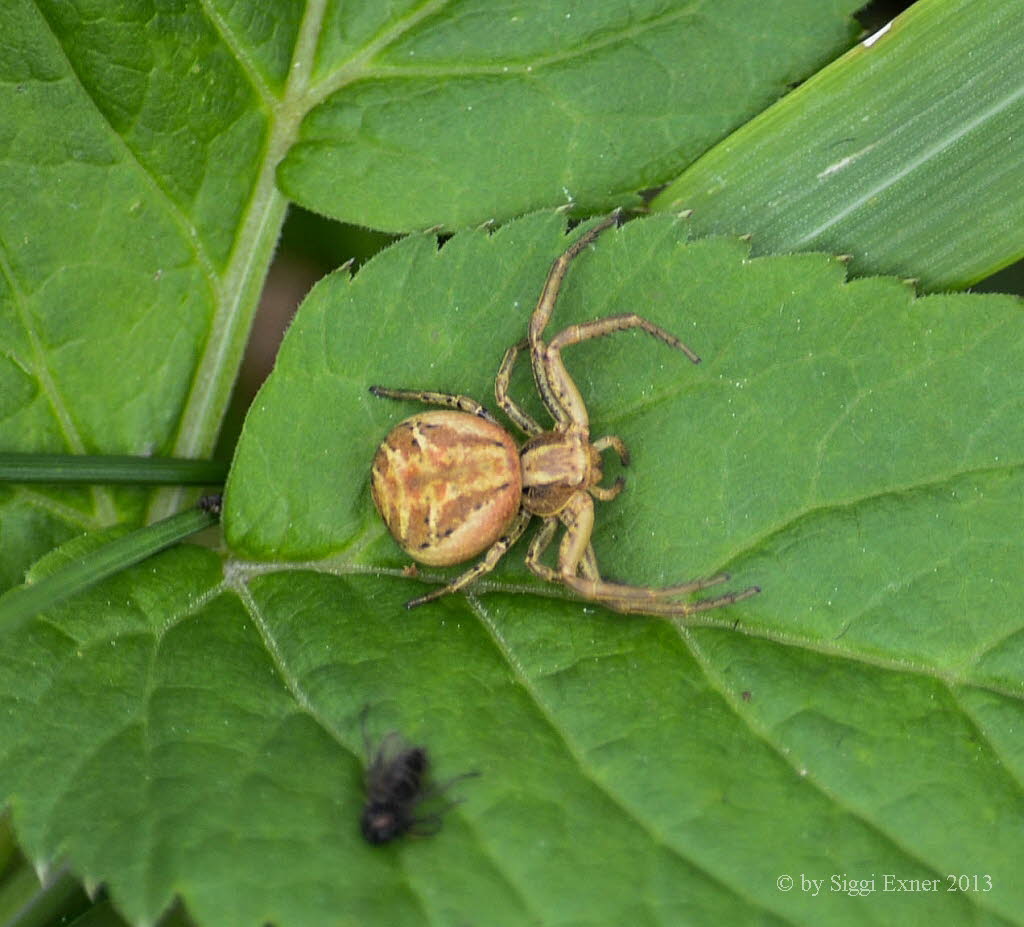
[{"x": 189, "y": 729}]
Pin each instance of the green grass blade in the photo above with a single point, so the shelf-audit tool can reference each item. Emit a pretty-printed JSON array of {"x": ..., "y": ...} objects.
[
  {"x": 78, "y": 573},
  {"x": 98, "y": 468},
  {"x": 904, "y": 153}
]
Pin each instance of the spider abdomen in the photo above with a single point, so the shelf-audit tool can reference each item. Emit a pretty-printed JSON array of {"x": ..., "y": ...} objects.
[{"x": 447, "y": 484}]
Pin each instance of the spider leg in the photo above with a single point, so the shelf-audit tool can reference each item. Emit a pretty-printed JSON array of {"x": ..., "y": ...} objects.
[
  {"x": 577, "y": 569},
  {"x": 507, "y": 404},
  {"x": 588, "y": 565},
  {"x": 649, "y": 600},
  {"x": 545, "y": 306},
  {"x": 610, "y": 324},
  {"x": 578, "y": 518},
  {"x": 615, "y": 443},
  {"x": 494, "y": 553},
  {"x": 607, "y": 493},
  {"x": 540, "y": 543},
  {"x": 432, "y": 398},
  {"x": 548, "y": 295},
  {"x": 561, "y": 388}
]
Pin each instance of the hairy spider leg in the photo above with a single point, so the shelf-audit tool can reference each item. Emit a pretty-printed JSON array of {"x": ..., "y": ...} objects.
[
  {"x": 494, "y": 553},
  {"x": 572, "y": 408},
  {"x": 616, "y": 444},
  {"x": 564, "y": 408},
  {"x": 507, "y": 404},
  {"x": 540, "y": 543},
  {"x": 588, "y": 565},
  {"x": 607, "y": 493},
  {"x": 546, "y": 304},
  {"x": 432, "y": 398},
  {"x": 578, "y": 519},
  {"x": 648, "y": 600}
]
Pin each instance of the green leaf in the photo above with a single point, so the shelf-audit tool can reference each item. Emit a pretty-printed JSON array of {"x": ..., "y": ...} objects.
[
  {"x": 191, "y": 726},
  {"x": 897, "y": 153},
  {"x": 475, "y": 112}
]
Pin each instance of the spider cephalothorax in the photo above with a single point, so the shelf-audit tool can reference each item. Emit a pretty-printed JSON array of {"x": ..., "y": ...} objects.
[{"x": 452, "y": 484}]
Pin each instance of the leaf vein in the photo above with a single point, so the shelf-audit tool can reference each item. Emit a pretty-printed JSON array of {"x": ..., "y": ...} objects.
[{"x": 507, "y": 653}]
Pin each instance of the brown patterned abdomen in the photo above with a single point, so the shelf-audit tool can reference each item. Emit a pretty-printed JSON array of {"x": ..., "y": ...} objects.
[{"x": 447, "y": 484}]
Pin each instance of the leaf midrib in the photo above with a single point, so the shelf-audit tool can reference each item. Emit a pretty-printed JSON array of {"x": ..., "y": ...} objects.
[
  {"x": 359, "y": 66},
  {"x": 264, "y": 213}
]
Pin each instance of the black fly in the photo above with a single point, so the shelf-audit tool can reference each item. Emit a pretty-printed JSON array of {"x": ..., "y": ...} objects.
[{"x": 397, "y": 782}]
